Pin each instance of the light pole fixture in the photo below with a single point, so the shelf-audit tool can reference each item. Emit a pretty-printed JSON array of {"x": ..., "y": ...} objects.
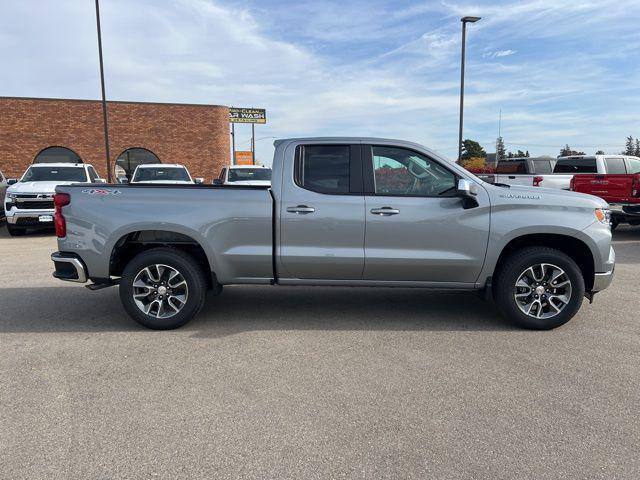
[
  {"x": 464, "y": 21},
  {"x": 104, "y": 101}
]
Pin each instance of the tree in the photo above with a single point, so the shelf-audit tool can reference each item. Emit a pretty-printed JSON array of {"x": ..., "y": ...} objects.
[
  {"x": 567, "y": 151},
  {"x": 630, "y": 146},
  {"x": 500, "y": 150},
  {"x": 518, "y": 154},
  {"x": 600, "y": 152},
  {"x": 637, "y": 152},
  {"x": 471, "y": 149}
]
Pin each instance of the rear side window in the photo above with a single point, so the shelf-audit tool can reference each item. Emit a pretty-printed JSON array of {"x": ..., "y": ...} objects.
[
  {"x": 576, "y": 165},
  {"x": 323, "y": 168},
  {"x": 615, "y": 165},
  {"x": 634, "y": 165},
  {"x": 511, "y": 166},
  {"x": 542, "y": 166}
]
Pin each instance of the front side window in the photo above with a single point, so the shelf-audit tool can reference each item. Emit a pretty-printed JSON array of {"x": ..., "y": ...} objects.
[
  {"x": 634, "y": 165},
  {"x": 323, "y": 168},
  {"x": 249, "y": 174},
  {"x": 615, "y": 165},
  {"x": 53, "y": 174},
  {"x": 398, "y": 171}
]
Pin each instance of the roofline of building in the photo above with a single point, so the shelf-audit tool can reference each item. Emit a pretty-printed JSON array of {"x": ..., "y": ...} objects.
[{"x": 48, "y": 99}]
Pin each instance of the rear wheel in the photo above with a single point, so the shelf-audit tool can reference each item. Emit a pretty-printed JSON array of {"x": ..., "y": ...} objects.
[
  {"x": 16, "y": 231},
  {"x": 539, "y": 288},
  {"x": 162, "y": 288}
]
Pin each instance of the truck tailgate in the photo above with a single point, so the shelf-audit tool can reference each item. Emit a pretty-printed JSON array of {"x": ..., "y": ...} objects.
[{"x": 614, "y": 188}]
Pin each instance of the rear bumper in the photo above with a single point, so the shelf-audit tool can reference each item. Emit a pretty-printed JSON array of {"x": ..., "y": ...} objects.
[{"x": 69, "y": 267}]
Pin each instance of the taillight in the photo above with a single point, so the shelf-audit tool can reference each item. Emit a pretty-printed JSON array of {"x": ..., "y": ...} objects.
[
  {"x": 60, "y": 200},
  {"x": 572, "y": 184},
  {"x": 635, "y": 186},
  {"x": 537, "y": 181}
]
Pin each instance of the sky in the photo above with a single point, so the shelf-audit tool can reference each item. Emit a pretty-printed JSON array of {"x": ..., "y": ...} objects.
[{"x": 561, "y": 71}]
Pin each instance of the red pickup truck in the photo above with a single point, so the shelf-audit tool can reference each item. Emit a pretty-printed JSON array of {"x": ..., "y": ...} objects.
[{"x": 621, "y": 189}]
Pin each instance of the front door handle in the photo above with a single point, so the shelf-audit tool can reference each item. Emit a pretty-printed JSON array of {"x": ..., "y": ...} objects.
[
  {"x": 301, "y": 209},
  {"x": 385, "y": 211}
]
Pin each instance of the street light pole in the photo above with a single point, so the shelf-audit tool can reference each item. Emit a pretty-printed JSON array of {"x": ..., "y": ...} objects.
[
  {"x": 104, "y": 101},
  {"x": 464, "y": 21}
]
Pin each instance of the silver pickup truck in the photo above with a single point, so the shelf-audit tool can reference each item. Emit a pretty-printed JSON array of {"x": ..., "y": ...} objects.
[{"x": 340, "y": 211}]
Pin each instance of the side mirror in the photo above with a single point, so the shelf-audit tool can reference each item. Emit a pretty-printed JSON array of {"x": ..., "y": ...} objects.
[
  {"x": 123, "y": 180},
  {"x": 100, "y": 180},
  {"x": 198, "y": 180},
  {"x": 468, "y": 191},
  {"x": 217, "y": 181},
  {"x": 12, "y": 181}
]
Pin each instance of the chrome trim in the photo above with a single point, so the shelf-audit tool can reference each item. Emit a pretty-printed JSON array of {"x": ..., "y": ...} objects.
[
  {"x": 602, "y": 281},
  {"x": 78, "y": 265}
]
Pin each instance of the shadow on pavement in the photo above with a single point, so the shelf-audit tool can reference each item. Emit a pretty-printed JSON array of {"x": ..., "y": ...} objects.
[{"x": 256, "y": 308}]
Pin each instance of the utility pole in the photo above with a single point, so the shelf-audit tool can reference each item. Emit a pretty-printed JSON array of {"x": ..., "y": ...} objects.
[
  {"x": 233, "y": 144},
  {"x": 253, "y": 143},
  {"x": 104, "y": 100},
  {"x": 464, "y": 21}
]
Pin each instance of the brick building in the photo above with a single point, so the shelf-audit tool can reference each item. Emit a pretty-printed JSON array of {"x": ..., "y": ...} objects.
[{"x": 196, "y": 136}]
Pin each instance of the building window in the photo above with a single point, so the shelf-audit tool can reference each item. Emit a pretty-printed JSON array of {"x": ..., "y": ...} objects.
[
  {"x": 132, "y": 157},
  {"x": 57, "y": 155}
]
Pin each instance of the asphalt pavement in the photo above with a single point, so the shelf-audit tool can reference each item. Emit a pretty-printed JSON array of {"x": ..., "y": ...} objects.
[{"x": 275, "y": 382}]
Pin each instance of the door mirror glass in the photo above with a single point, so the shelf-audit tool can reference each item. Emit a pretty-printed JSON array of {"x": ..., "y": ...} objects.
[
  {"x": 217, "y": 181},
  {"x": 11, "y": 181}
]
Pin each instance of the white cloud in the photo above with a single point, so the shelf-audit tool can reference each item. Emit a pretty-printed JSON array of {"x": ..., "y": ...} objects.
[{"x": 499, "y": 53}]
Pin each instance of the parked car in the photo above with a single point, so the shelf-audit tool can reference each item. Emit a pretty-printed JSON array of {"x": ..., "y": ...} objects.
[
  {"x": 163, "y": 173},
  {"x": 3, "y": 190},
  {"x": 521, "y": 170},
  {"x": 245, "y": 175},
  {"x": 620, "y": 188},
  {"x": 341, "y": 211},
  {"x": 28, "y": 202}
]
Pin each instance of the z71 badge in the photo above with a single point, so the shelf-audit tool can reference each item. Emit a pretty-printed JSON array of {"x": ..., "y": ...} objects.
[{"x": 101, "y": 191}]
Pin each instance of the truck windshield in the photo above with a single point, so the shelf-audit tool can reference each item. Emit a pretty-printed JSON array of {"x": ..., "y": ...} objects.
[
  {"x": 52, "y": 174},
  {"x": 158, "y": 174},
  {"x": 248, "y": 174},
  {"x": 576, "y": 165}
]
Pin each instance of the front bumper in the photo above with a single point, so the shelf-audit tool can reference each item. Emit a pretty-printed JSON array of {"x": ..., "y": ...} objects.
[
  {"x": 29, "y": 218},
  {"x": 604, "y": 279},
  {"x": 69, "y": 267}
]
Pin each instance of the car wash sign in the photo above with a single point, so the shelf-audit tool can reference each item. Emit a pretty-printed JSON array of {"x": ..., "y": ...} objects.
[{"x": 247, "y": 115}]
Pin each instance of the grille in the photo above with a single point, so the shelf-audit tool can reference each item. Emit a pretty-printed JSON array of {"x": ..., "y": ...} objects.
[{"x": 35, "y": 205}]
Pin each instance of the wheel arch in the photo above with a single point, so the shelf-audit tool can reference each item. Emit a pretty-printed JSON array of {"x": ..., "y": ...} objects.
[
  {"x": 132, "y": 243},
  {"x": 573, "y": 247}
]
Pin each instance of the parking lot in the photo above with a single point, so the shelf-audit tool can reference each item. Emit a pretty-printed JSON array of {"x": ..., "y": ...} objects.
[{"x": 313, "y": 383}]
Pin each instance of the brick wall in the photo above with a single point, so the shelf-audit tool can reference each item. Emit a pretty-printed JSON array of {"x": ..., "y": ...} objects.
[{"x": 196, "y": 136}]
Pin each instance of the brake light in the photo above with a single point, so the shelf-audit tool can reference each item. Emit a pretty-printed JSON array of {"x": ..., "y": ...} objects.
[
  {"x": 572, "y": 184},
  {"x": 635, "y": 186},
  {"x": 537, "y": 180},
  {"x": 59, "y": 201}
]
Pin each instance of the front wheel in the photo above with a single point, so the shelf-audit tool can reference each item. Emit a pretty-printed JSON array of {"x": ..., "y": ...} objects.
[
  {"x": 539, "y": 288},
  {"x": 162, "y": 288},
  {"x": 16, "y": 231}
]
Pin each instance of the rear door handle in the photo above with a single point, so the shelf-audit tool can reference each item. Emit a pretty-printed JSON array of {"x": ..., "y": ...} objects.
[
  {"x": 385, "y": 211},
  {"x": 512, "y": 177},
  {"x": 301, "y": 209}
]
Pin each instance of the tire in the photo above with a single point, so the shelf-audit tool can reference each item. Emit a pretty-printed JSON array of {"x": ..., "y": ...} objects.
[
  {"x": 556, "y": 308},
  {"x": 15, "y": 231},
  {"x": 184, "y": 293}
]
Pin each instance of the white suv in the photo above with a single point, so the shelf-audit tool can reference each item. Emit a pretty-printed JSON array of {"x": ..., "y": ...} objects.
[
  {"x": 245, "y": 175},
  {"x": 28, "y": 202}
]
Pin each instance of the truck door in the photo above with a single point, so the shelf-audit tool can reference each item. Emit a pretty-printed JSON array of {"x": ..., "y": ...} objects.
[
  {"x": 416, "y": 228},
  {"x": 322, "y": 214}
]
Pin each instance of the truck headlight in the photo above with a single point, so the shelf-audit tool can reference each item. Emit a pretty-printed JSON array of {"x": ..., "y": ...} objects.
[{"x": 603, "y": 215}]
